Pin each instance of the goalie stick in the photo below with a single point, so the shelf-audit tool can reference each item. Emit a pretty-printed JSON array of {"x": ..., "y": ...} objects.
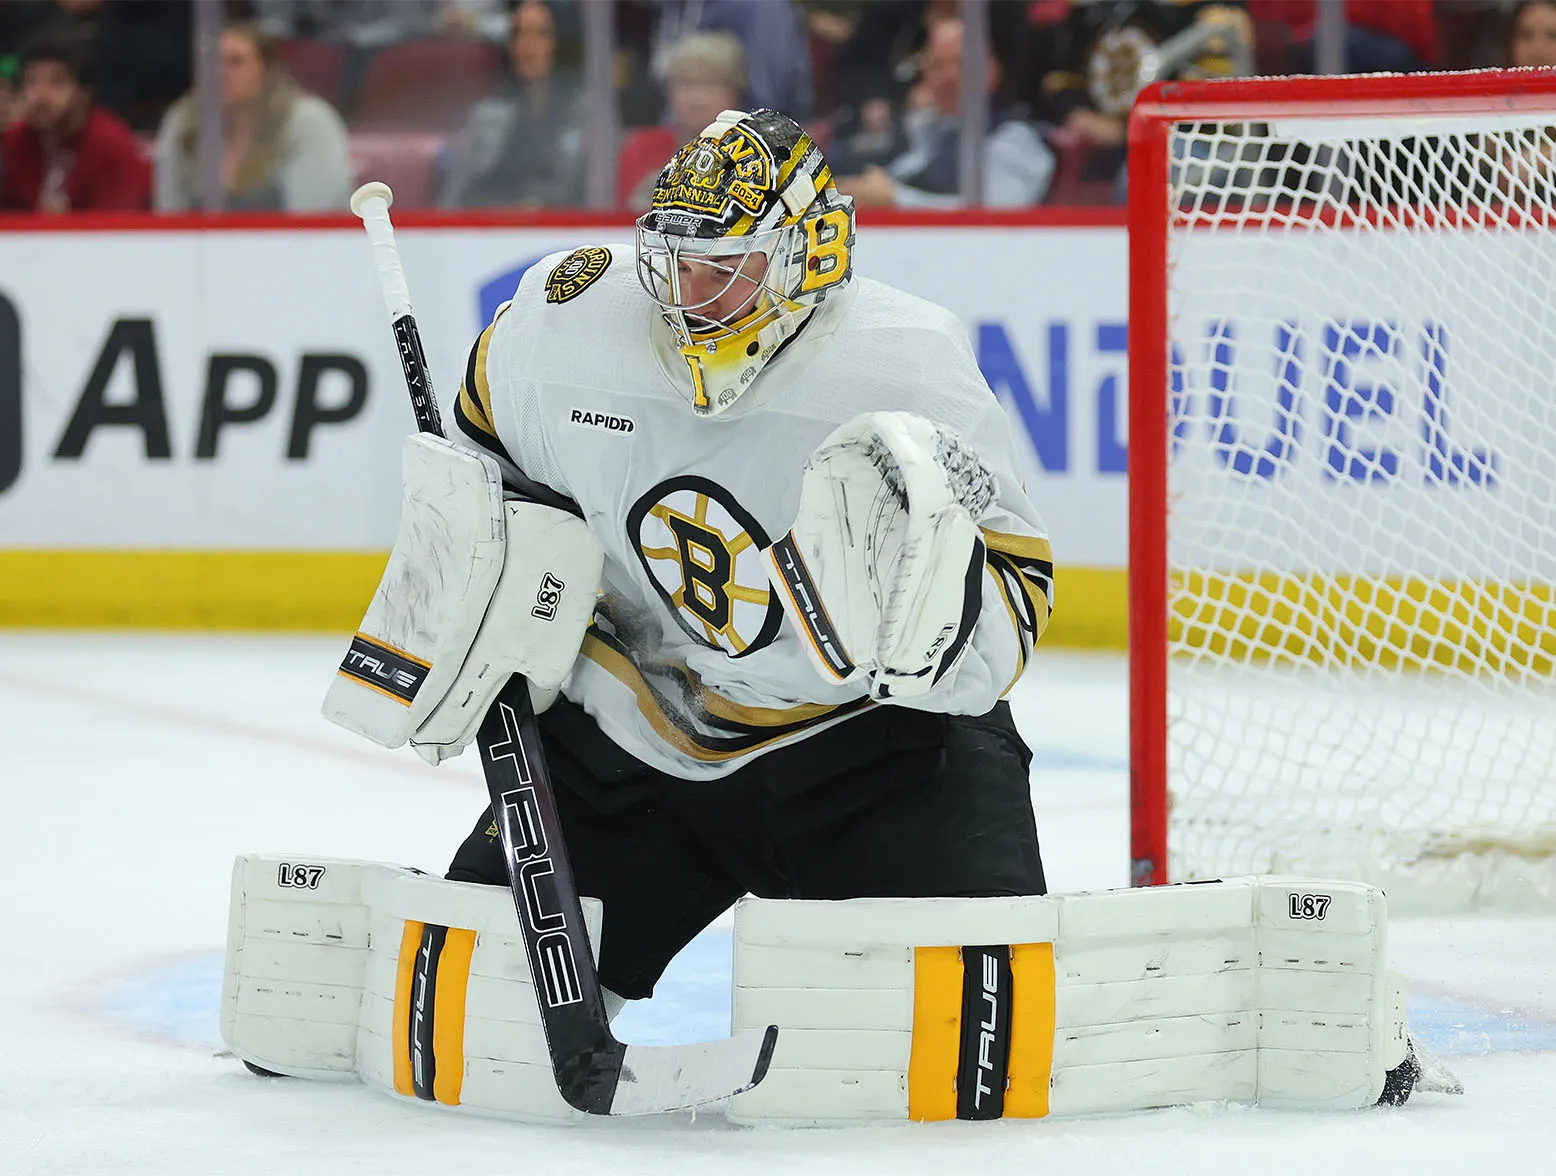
[{"x": 594, "y": 1072}]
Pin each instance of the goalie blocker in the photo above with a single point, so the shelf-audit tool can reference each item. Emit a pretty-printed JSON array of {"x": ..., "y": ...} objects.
[
  {"x": 478, "y": 587},
  {"x": 1268, "y": 990}
]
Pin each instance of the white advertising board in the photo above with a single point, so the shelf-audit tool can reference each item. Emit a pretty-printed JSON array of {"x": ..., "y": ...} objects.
[
  {"x": 239, "y": 390},
  {"x": 1365, "y": 402}
]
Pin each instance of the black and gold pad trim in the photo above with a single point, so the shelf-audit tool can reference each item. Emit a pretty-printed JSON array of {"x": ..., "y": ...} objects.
[
  {"x": 983, "y": 1032},
  {"x": 382, "y": 667},
  {"x": 429, "y": 1011}
]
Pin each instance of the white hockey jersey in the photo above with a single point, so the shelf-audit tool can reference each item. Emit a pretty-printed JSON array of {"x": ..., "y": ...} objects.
[{"x": 576, "y": 389}]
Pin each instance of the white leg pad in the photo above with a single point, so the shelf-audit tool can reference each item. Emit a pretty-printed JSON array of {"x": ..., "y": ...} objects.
[
  {"x": 322, "y": 981},
  {"x": 1268, "y": 990}
]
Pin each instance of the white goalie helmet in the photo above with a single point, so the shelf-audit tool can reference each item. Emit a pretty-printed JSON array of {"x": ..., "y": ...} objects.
[{"x": 746, "y": 235}]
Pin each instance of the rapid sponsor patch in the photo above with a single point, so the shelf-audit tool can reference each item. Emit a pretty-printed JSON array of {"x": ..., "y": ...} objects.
[{"x": 587, "y": 419}]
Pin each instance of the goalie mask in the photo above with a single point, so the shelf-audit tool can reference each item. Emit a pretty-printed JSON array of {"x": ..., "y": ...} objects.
[{"x": 745, "y": 237}]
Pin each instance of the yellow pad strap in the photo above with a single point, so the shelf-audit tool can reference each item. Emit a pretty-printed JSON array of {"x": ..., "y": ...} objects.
[
  {"x": 1031, "y": 1030},
  {"x": 937, "y": 1032}
]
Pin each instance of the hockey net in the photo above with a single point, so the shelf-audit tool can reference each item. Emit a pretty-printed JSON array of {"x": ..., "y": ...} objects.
[{"x": 1343, "y": 484}]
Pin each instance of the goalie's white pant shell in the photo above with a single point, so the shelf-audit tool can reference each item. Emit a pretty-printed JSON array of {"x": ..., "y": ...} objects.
[
  {"x": 1269, "y": 990},
  {"x": 323, "y": 980},
  {"x": 1261, "y": 989}
]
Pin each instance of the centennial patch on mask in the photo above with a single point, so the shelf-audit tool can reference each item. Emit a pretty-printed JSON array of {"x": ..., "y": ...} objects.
[{"x": 576, "y": 272}]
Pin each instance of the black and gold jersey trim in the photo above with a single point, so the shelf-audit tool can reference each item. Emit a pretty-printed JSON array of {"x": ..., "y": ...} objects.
[
  {"x": 749, "y": 728},
  {"x": 476, "y": 421},
  {"x": 473, "y": 413},
  {"x": 475, "y": 394},
  {"x": 1022, "y": 567}
]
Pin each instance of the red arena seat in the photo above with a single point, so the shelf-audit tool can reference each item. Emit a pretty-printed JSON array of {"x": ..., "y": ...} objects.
[
  {"x": 316, "y": 66},
  {"x": 405, "y": 160},
  {"x": 427, "y": 85}
]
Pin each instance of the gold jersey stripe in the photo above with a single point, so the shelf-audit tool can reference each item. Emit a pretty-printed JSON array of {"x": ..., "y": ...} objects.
[
  {"x": 483, "y": 388},
  {"x": 448, "y": 1013},
  {"x": 716, "y": 706},
  {"x": 410, "y": 944},
  {"x": 620, "y": 667},
  {"x": 764, "y": 716},
  {"x": 937, "y": 1033},
  {"x": 1026, "y": 546},
  {"x": 1015, "y": 623},
  {"x": 1032, "y": 1014},
  {"x": 1031, "y": 588},
  {"x": 469, "y": 413},
  {"x": 475, "y": 394}
]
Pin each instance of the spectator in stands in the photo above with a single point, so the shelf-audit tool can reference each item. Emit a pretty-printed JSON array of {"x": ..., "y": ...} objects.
[
  {"x": 66, "y": 154},
  {"x": 1381, "y": 36},
  {"x": 1017, "y": 163},
  {"x": 1522, "y": 160},
  {"x": 705, "y": 73},
  {"x": 142, "y": 53},
  {"x": 10, "y": 101},
  {"x": 1532, "y": 33},
  {"x": 1066, "y": 42},
  {"x": 870, "y": 57},
  {"x": 523, "y": 148},
  {"x": 10, "y": 96},
  {"x": 772, "y": 33},
  {"x": 283, "y": 148}
]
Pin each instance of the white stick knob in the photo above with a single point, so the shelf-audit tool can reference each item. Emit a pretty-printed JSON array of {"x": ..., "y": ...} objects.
[{"x": 371, "y": 202}]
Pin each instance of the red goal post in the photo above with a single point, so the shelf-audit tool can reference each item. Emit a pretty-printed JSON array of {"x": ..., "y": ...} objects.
[{"x": 1262, "y": 169}]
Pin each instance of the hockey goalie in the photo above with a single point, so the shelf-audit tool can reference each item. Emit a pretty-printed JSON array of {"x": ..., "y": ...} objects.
[{"x": 750, "y": 527}]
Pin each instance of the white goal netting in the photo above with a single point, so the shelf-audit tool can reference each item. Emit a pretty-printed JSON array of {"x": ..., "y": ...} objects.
[{"x": 1362, "y": 505}]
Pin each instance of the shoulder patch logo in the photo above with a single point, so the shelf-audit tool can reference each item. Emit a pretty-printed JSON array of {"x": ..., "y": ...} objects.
[{"x": 576, "y": 272}]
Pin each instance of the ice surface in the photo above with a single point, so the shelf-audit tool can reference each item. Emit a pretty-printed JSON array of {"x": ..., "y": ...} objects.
[{"x": 133, "y": 768}]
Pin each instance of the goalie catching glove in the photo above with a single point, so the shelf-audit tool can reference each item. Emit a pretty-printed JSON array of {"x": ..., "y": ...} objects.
[
  {"x": 882, "y": 572},
  {"x": 476, "y": 589}
]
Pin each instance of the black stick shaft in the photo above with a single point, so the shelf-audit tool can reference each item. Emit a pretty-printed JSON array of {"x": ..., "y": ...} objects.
[
  {"x": 417, "y": 382},
  {"x": 585, "y": 1057}
]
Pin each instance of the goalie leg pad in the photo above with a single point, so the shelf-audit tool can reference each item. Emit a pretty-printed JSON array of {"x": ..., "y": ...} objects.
[
  {"x": 1268, "y": 990},
  {"x": 347, "y": 970}
]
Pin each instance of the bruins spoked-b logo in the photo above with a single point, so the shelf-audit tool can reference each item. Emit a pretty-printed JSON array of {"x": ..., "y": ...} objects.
[
  {"x": 700, "y": 548},
  {"x": 576, "y": 272}
]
